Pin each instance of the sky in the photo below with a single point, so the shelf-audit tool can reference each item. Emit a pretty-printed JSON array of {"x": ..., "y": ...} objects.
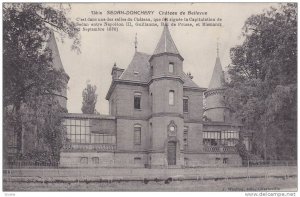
[{"x": 197, "y": 45}]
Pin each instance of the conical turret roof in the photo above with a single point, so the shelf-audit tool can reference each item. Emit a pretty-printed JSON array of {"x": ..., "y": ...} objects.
[
  {"x": 51, "y": 44},
  {"x": 166, "y": 43},
  {"x": 217, "y": 79}
]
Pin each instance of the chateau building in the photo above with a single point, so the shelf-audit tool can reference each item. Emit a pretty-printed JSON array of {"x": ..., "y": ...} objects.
[{"x": 156, "y": 118}]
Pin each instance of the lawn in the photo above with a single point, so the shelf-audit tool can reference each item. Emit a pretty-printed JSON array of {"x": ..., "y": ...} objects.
[
  {"x": 253, "y": 184},
  {"x": 141, "y": 179}
]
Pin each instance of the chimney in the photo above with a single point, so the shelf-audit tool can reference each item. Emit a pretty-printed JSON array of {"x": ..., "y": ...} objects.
[{"x": 116, "y": 72}]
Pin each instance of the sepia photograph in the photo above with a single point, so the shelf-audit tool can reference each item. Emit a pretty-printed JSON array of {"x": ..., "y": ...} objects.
[{"x": 147, "y": 97}]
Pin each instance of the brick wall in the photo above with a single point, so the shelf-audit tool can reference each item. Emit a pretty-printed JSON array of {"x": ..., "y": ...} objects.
[
  {"x": 195, "y": 141},
  {"x": 123, "y": 98},
  {"x": 195, "y": 105},
  {"x": 125, "y": 134},
  {"x": 161, "y": 65}
]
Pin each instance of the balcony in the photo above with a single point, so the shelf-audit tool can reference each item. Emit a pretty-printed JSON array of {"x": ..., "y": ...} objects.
[
  {"x": 219, "y": 149},
  {"x": 89, "y": 147}
]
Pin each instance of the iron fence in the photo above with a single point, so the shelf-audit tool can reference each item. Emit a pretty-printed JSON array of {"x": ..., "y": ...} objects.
[
  {"x": 189, "y": 164},
  {"x": 30, "y": 164},
  {"x": 261, "y": 163}
]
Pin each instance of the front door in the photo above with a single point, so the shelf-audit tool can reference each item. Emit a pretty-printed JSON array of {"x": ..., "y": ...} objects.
[{"x": 171, "y": 153}]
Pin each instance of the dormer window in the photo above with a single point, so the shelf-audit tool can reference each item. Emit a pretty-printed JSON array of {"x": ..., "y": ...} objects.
[{"x": 171, "y": 67}]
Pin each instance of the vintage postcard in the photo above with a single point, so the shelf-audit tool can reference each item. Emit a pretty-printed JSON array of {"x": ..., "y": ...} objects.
[{"x": 150, "y": 97}]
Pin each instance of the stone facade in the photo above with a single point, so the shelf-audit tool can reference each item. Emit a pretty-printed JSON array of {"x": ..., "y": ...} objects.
[{"x": 156, "y": 118}]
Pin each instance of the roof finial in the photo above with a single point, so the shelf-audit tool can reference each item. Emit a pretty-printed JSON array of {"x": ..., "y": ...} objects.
[
  {"x": 135, "y": 42},
  {"x": 166, "y": 21},
  {"x": 218, "y": 47}
]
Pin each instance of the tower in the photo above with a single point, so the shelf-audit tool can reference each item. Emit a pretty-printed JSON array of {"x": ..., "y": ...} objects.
[
  {"x": 57, "y": 64},
  {"x": 215, "y": 106},
  {"x": 166, "y": 93}
]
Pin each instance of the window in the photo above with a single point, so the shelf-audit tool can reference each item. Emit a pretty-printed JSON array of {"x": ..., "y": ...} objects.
[
  {"x": 230, "y": 138},
  {"x": 151, "y": 140},
  {"x": 186, "y": 160},
  {"x": 211, "y": 138},
  {"x": 137, "y": 134},
  {"x": 171, "y": 97},
  {"x": 171, "y": 67},
  {"x": 12, "y": 139},
  {"x": 225, "y": 160},
  {"x": 95, "y": 160},
  {"x": 247, "y": 143},
  {"x": 137, "y": 100},
  {"x": 137, "y": 160},
  {"x": 78, "y": 131},
  {"x": 225, "y": 138},
  {"x": 84, "y": 160},
  {"x": 185, "y": 137},
  {"x": 185, "y": 104},
  {"x": 97, "y": 138}
]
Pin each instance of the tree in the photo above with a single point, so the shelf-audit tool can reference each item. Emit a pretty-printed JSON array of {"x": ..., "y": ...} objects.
[
  {"x": 27, "y": 63},
  {"x": 28, "y": 72},
  {"x": 262, "y": 92},
  {"x": 89, "y": 100}
]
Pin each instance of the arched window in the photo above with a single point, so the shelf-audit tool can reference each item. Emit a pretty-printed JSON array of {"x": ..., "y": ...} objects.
[
  {"x": 137, "y": 134},
  {"x": 171, "y": 67},
  {"x": 137, "y": 100},
  {"x": 171, "y": 97}
]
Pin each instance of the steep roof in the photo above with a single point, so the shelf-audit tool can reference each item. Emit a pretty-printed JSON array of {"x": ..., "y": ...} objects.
[
  {"x": 217, "y": 78},
  {"x": 166, "y": 43},
  {"x": 51, "y": 44},
  {"x": 188, "y": 82},
  {"x": 138, "y": 69}
]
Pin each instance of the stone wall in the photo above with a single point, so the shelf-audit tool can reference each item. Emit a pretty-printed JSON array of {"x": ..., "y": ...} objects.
[
  {"x": 212, "y": 159},
  {"x": 74, "y": 159},
  {"x": 142, "y": 159}
]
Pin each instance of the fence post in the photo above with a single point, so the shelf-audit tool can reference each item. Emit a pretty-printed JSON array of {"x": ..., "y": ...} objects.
[
  {"x": 248, "y": 169},
  {"x": 43, "y": 175},
  {"x": 286, "y": 168},
  {"x": 78, "y": 174},
  {"x": 10, "y": 175}
]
